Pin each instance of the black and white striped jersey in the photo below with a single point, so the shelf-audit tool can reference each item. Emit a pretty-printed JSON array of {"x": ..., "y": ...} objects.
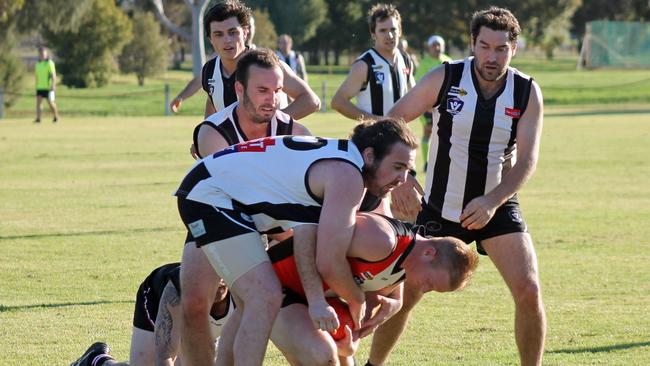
[
  {"x": 473, "y": 140},
  {"x": 385, "y": 84},
  {"x": 226, "y": 123},
  {"x": 267, "y": 179},
  {"x": 220, "y": 89}
]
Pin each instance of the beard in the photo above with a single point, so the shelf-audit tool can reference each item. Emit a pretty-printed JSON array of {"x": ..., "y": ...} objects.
[
  {"x": 499, "y": 73},
  {"x": 252, "y": 110},
  {"x": 370, "y": 178}
]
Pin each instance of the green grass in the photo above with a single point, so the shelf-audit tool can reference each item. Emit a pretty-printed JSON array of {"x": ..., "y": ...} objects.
[
  {"x": 561, "y": 84},
  {"x": 86, "y": 212}
]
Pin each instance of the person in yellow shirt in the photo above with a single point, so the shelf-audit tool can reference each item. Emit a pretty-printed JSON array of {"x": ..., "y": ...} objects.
[{"x": 45, "y": 84}]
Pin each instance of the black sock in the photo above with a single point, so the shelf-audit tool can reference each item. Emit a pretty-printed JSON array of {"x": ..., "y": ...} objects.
[
  {"x": 100, "y": 359},
  {"x": 369, "y": 364}
]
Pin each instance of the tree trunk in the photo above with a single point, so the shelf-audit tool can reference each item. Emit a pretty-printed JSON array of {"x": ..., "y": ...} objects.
[{"x": 198, "y": 45}]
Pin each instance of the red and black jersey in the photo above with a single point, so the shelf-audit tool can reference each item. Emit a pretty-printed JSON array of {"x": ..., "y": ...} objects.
[{"x": 369, "y": 276}]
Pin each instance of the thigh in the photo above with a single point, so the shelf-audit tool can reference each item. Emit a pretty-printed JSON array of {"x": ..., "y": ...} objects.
[
  {"x": 142, "y": 348},
  {"x": 295, "y": 336},
  {"x": 514, "y": 256},
  {"x": 198, "y": 278},
  {"x": 233, "y": 257}
]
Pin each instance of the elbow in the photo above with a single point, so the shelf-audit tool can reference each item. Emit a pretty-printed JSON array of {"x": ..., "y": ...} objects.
[
  {"x": 316, "y": 103},
  {"x": 326, "y": 268},
  {"x": 336, "y": 103}
]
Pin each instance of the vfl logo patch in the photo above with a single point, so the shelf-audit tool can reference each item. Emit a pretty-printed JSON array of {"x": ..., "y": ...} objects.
[
  {"x": 513, "y": 112},
  {"x": 515, "y": 216},
  {"x": 454, "y": 105},
  {"x": 197, "y": 228},
  {"x": 379, "y": 77},
  {"x": 246, "y": 217}
]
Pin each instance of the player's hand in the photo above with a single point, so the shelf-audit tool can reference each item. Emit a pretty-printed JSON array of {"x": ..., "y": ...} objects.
[
  {"x": 175, "y": 105},
  {"x": 323, "y": 316},
  {"x": 348, "y": 345},
  {"x": 387, "y": 308},
  {"x": 406, "y": 200},
  {"x": 194, "y": 153},
  {"x": 357, "y": 311},
  {"x": 477, "y": 213}
]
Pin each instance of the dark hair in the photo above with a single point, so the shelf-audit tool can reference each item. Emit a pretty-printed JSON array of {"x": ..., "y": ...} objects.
[
  {"x": 382, "y": 135},
  {"x": 224, "y": 10},
  {"x": 379, "y": 12},
  {"x": 498, "y": 19},
  {"x": 261, "y": 57},
  {"x": 457, "y": 258}
]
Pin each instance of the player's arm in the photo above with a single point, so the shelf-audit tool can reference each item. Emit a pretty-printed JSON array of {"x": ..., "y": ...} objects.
[
  {"x": 167, "y": 330},
  {"x": 342, "y": 191},
  {"x": 480, "y": 210},
  {"x": 53, "y": 75},
  {"x": 322, "y": 315},
  {"x": 406, "y": 200},
  {"x": 302, "y": 68},
  {"x": 342, "y": 100},
  {"x": 388, "y": 301},
  {"x": 305, "y": 101},
  {"x": 190, "y": 89},
  {"x": 421, "y": 98},
  {"x": 300, "y": 130},
  {"x": 210, "y": 141}
]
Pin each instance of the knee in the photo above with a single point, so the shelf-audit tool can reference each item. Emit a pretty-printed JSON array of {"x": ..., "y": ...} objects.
[
  {"x": 322, "y": 354},
  {"x": 195, "y": 306},
  {"x": 528, "y": 294}
]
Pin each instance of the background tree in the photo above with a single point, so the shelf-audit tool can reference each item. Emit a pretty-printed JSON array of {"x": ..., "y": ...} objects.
[
  {"x": 86, "y": 56},
  {"x": 147, "y": 53},
  {"x": 633, "y": 10},
  {"x": 265, "y": 34},
  {"x": 194, "y": 35},
  {"x": 298, "y": 18}
]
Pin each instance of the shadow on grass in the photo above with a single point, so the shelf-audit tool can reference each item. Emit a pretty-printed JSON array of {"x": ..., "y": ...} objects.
[
  {"x": 4, "y": 308},
  {"x": 85, "y": 233},
  {"x": 614, "y": 347}
]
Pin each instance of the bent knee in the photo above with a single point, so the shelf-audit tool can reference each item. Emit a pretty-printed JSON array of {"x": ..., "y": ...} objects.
[{"x": 323, "y": 354}]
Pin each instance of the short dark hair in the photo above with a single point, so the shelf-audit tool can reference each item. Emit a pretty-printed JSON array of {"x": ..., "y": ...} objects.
[
  {"x": 261, "y": 57},
  {"x": 498, "y": 19},
  {"x": 224, "y": 10},
  {"x": 379, "y": 12},
  {"x": 381, "y": 135}
]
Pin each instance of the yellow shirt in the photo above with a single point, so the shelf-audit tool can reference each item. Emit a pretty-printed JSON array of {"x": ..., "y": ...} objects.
[{"x": 43, "y": 70}]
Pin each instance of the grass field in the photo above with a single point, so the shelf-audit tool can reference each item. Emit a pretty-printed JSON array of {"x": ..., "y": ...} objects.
[
  {"x": 86, "y": 212},
  {"x": 561, "y": 83}
]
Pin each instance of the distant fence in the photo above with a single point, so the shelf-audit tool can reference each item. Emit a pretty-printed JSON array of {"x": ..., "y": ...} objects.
[
  {"x": 616, "y": 44},
  {"x": 325, "y": 90}
]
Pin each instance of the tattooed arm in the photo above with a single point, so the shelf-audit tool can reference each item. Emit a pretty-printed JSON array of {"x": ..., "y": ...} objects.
[{"x": 167, "y": 330}]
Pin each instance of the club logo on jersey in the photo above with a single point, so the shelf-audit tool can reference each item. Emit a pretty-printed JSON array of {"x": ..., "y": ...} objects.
[
  {"x": 197, "y": 228},
  {"x": 513, "y": 112},
  {"x": 406, "y": 70},
  {"x": 379, "y": 77},
  {"x": 515, "y": 216},
  {"x": 258, "y": 145},
  {"x": 377, "y": 67},
  {"x": 456, "y": 91},
  {"x": 454, "y": 105},
  {"x": 363, "y": 277},
  {"x": 211, "y": 86}
]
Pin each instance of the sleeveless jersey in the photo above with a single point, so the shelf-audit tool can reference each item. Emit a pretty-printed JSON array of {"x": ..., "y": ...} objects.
[
  {"x": 226, "y": 123},
  {"x": 385, "y": 84},
  {"x": 369, "y": 276},
  {"x": 220, "y": 89},
  {"x": 473, "y": 141},
  {"x": 267, "y": 179}
]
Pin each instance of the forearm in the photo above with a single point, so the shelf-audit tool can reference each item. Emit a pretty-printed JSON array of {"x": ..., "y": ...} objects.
[
  {"x": 512, "y": 181},
  {"x": 346, "y": 108},
  {"x": 191, "y": 88},
  {"x": 303, "y": 105},
  {"x": 305, "y": 254}
]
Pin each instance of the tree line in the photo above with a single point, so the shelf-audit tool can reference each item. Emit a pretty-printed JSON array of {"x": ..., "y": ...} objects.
[{"x": 94, "y": 38}]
